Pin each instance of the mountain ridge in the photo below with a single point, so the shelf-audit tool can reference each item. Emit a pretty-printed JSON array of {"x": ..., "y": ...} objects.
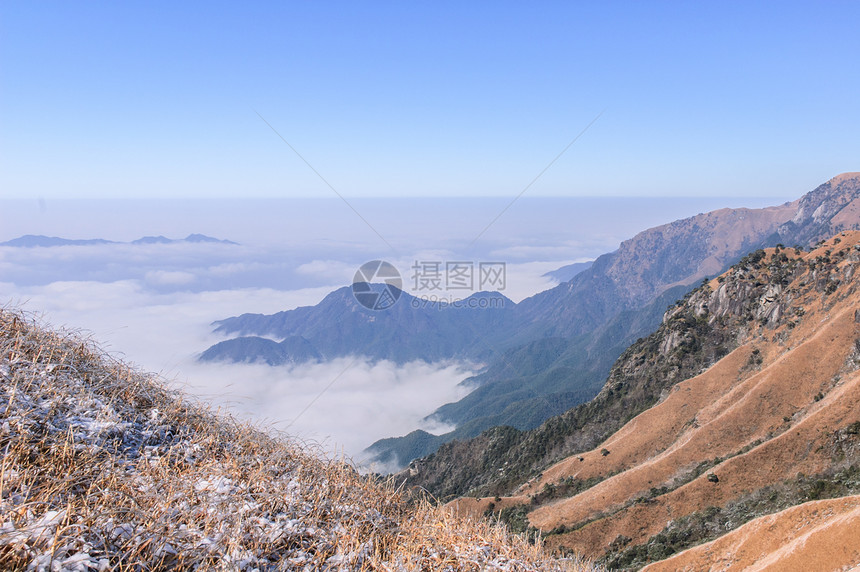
[
  {"x": 39, "y": 240},
  {"x": 767, "y": 423},
  {"x": 568, "y": 271},
  {"x": 664, "y": 261},
  {"x": 411, "y": 329}
]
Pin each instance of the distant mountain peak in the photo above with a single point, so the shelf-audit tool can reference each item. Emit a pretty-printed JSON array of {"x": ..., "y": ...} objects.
[
  {"x": 36, "y": 240},
  {"x": 196, "y": 238},
  {"x": 152, "y": 240},
  {"x": 489, "y": 294},
  {"x": 203, "y": 238},
  {"x": 829, "y": 208}
]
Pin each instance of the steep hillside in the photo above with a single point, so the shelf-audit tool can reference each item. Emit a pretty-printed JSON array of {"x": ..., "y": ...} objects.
[
  {"x": 104, "y": 468},
  {"x": 830, "y": 208},
  {"x": 681, "y": 252},
  {"x": 769, "y": 421}
]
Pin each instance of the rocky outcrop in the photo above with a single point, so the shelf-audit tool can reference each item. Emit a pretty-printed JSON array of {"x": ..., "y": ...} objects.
[{"x": 830, "y": 208}]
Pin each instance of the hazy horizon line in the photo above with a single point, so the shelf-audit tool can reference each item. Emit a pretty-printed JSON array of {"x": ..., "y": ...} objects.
[{"x": 384, "y": 197}]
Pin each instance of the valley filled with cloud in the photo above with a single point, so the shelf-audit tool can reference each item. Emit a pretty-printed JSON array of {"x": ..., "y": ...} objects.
[{"x": 153, "y": 304}]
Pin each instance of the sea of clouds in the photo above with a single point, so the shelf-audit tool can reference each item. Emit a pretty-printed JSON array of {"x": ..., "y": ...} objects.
[{"x": 153, "y": 304}]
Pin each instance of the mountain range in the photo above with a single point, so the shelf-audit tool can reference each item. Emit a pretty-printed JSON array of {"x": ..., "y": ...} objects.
[
  {"x": 554, "y": 350},
  {"x": 728, "y": 438},
  {"x": 37, "y": 240}
]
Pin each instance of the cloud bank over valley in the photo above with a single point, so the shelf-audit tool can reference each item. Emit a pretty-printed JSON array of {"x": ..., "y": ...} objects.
[{"x": 153, "y": 304}]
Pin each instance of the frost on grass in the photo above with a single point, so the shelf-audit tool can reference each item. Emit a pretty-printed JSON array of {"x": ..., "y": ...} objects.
[{"x": 105, "y": 468}]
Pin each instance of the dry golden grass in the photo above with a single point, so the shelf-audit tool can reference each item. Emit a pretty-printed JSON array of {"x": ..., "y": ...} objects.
[
  {"x": 817, "y": 535},
  {"x": 106, "y": 468},
  {"x": 752, "y": 423}
]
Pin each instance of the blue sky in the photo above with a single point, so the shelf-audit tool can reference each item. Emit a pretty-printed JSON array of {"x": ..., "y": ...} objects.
[{"x": 160, "y": 99}]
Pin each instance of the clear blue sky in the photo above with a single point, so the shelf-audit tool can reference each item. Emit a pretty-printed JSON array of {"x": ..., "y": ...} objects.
[{"x": 157, "y": 99}]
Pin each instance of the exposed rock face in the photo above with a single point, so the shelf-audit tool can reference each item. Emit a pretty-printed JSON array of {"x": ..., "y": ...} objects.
[{"x": 830, "y": 208}]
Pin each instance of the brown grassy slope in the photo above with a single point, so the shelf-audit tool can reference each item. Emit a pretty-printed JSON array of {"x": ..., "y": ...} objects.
[
  {"x": 818, "y": 536},
  {"x": 738, "y": 413},
  {"x": 629, "y": 447},
  {"x": 724, "y": 410},
  {"x": 105, "y": 468},
  {"x": 758, "y": 416},
  {"x": 717, "y": 414}
]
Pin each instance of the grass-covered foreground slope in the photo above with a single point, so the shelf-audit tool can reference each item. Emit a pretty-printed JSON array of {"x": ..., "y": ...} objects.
[{"x": 105, "y": 468}]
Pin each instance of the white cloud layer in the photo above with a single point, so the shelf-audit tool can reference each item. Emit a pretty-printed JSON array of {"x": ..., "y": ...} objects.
[
  {"x": 152, "y": 304},
  {"x": 344, "y": 405}
]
